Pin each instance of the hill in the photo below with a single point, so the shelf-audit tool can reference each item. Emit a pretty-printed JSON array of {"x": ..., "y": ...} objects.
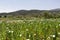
[{"x": 54, "y": 13}]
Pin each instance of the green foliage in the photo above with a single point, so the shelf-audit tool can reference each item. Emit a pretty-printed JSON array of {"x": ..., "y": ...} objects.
[
  {"x": 42, "y": 29},
  {"x": 32, "y": 13}
]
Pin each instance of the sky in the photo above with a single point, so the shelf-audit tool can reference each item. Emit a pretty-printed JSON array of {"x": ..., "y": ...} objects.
[{"x": 13, "y": 5}]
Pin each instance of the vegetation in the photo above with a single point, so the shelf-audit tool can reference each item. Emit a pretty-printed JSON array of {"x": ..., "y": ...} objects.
[
  {"x": 30, "y": 25},
  {"x": 42, "y": 29},
  {"x": 32, "y": 13}
]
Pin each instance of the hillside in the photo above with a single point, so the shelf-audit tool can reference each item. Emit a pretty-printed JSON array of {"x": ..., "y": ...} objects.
[{"x": 34, "y": 13}]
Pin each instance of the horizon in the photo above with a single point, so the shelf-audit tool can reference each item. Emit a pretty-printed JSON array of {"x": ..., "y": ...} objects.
[
  {"x": 27, "y": 10},
  {"x": 14, "y": 5}
]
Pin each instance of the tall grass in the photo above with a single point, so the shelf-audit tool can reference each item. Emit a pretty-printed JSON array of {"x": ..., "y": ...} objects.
[{"x": 43, "y": 29}]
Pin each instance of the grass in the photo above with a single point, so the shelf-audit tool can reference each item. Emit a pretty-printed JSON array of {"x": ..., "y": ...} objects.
[{"x": 37, "y": 29}]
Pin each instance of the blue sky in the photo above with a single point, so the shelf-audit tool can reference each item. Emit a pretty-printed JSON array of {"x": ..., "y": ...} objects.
[{"x": 13, "y": 5}]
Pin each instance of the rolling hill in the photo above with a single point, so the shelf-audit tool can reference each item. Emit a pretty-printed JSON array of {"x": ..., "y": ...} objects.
[{"x": 34, "y": 13}]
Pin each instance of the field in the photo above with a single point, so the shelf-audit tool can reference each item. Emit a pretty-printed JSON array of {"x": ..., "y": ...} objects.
[{"x": 37, "y": 29}]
